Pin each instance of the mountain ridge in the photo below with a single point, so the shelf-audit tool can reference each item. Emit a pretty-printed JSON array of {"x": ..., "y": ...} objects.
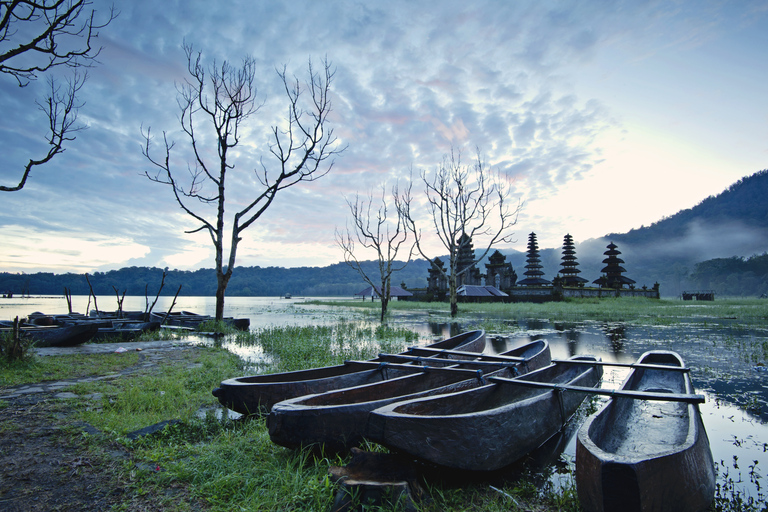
[{"x": 722, "y": 233}]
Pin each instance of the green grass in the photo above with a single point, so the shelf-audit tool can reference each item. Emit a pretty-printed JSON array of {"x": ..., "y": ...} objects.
[
  {"x": 609, "y": 309},
  {"x": 174, "y": 391},
  {"x": 39, "y": 369}
]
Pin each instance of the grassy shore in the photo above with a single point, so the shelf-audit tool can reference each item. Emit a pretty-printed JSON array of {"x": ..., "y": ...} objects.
[
  {"x": 211, "y": 462},
  {"x": 628, "y": 309}
]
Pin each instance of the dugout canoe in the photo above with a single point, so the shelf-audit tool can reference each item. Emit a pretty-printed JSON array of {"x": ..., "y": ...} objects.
[
  {"x": 56, "y": 335},
  {"x": 338, "y": 419},
  {"x": 640, "y": 455},
  {"x": 258, "y": 393},
  {"x": 489, "y": 427}
]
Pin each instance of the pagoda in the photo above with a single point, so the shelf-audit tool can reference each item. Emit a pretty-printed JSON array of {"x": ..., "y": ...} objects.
[
  {"x": 466, "y": 271},
  {"x": 533, "y": 268},
  {"x": 569, "y": 264},
  {"x": 612, "y": 271}
]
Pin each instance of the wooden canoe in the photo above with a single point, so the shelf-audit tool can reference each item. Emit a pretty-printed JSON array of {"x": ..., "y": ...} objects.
[
  {"x": 258, "y": 393},
  {"x": 638, "y": 455},
  {"x": 485, "y": 428},
  {"x": 57, "y": 335},
  {"x": 338, "y": 419}
]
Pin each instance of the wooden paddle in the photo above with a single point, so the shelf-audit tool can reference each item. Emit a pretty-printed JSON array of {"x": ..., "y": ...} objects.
[
  {"x": 625, "y": 365},
  {"x": 614, "y": 393},
  {"x": 430, "y": 360},
  {"x": 438, "y": 351}
]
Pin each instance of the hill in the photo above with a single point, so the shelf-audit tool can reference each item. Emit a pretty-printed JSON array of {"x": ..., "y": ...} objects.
[
  {"x": 714, "y": 245},
  {"x": 334, "y": 280},
  {"x": 730, "y": 225}
]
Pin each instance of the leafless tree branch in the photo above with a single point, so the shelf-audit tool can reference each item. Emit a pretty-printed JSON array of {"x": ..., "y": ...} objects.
[
  {"x": 222, "y": 97},
  {"x": 376, "y": 232},
  {"x": 37, "y": 35},
  {"x": 463, "y": 200}
]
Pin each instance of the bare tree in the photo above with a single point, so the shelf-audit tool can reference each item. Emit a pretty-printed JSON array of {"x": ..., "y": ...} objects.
[
  {"x": 380, "y": 233},
  {"x": 465, "y": 202},
  {"x": 224, "y": 98},
  {"x": 37, "y": 35}
]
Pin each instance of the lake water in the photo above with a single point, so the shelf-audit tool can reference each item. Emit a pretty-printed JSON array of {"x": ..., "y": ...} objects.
[{"x": 725, "y": 357}]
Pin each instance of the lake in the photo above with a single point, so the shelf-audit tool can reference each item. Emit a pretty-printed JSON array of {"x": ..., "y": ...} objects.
[{"x": 726, "y": 358}]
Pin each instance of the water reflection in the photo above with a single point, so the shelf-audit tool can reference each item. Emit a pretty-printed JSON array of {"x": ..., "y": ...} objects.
[
  {"x": 617, "y": 336},
  {"x": 569, "y": 331}
]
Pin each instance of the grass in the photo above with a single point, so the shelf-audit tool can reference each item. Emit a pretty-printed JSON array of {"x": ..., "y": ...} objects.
[
  {"x": 228, "y": 465},
  {"x": 609, "y": 309},
  {"x": 39, "y": 369}
]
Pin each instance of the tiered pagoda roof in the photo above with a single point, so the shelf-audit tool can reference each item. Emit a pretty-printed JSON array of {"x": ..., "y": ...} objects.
[
  {"x": 533, "y": 267},
  {"x": 569, "y": 264},
  {"x": 612, "y": 271}
]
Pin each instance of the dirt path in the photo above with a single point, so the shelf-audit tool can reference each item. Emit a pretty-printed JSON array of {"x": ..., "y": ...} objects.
[{"x": 45, "y": 462}]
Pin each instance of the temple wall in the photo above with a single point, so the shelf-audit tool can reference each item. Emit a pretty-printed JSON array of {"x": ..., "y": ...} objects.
[{"x": 524, "y": 294}]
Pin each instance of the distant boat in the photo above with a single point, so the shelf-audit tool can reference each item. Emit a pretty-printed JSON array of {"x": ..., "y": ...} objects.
[
  {"x": 54, "y": 335},
  {"x": 193, "y": 320}
]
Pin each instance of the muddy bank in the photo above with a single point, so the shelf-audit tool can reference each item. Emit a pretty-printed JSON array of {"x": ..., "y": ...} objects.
[{"x": 51, "y": 461}]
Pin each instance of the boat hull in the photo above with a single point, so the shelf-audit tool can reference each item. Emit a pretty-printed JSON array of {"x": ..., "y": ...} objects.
[
  {"x": 338, "y": 419},
  {"x": 637, "y": 455},
  {"x": 257, "y": 394},
  {"x": 486, "y": 428},
  {"x": 59, "y": 336}
]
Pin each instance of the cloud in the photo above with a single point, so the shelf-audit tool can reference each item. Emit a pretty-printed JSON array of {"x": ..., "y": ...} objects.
[{"x": 411, "y": 82}]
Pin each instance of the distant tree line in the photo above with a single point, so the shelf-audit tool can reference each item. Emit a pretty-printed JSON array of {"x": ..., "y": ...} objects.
[
  {"x": 733, "y": 276},
  {"x": 334, "y": 280}
]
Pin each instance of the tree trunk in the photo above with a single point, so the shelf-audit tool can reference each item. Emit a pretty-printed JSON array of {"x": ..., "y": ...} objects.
[
  {"x": 384, "y": 296},
  {"x": 222, "y": 281},
  {"x": 454, "y": 298},
  {"x": 384, "y": 303}
]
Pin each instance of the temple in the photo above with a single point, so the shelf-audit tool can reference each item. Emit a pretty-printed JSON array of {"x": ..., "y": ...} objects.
[{"x": 500, "y": 282}]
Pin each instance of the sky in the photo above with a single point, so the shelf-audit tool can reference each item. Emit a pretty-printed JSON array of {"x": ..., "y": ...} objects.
[{"x": 601, "y": 116}]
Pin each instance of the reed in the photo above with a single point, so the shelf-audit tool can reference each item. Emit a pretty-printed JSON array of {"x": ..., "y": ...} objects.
[{"x": 629, "y": 309}]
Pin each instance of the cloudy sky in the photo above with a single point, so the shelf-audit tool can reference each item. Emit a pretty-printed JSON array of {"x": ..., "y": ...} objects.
[{"x": 604, "y": 116}]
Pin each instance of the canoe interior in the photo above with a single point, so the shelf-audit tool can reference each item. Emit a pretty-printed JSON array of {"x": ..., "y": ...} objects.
[
  {"x": 388, "y": 384},
  {"x": 641, "y": 428},
  {"x": 258, "y": 393},
  {"x": 472, "y": 338},
  {"x": 492, "y": 396}
]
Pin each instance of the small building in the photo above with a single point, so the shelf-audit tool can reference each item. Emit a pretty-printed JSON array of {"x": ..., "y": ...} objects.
[
  {"x": 395, "y": 293},
  {"x": 480, "y": 293},
  {"x": 437, "y": 282}
]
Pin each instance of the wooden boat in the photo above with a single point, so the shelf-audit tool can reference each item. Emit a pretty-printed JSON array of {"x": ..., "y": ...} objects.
[
  {"x": 56, "y": 335},
  {"x": 640, "y": 455},
  {"x": 109, "y": 327},
  {"x": 491, "y": 426},
  {"x": 193, "y": 320},
  {"x": 125, "y": 330},
  {"x": 258, "y": 393},
  {"x": 338, "y": 419}
]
